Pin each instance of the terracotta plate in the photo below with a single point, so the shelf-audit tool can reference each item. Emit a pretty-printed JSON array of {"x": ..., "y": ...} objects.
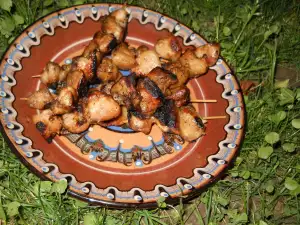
[{"x": 116, "y": 166}]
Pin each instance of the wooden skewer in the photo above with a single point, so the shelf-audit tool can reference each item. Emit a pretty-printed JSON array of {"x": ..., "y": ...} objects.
[
  {"x": 36, "y": 76},
  {"x": 214, "y": 117},
  {"x": 24, "y": 99},
  {"x": 202, "y": 101}
]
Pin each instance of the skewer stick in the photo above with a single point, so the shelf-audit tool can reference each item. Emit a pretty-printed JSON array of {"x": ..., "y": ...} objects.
[
  {"x": 36, "y": 76},
  {"x": 214, "y": 117},
  {"x": 203, "y": 101},
  {"x": 24, "y": 99}
]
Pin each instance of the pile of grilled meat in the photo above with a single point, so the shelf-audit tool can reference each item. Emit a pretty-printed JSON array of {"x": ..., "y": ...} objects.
[{"x": 91, "y": 90}]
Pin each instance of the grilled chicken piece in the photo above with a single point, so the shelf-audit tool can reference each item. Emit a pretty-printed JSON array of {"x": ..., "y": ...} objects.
[
  {"x": 191, "y": 126},
  {"x": 182, "y": 73},
  {"x": 65, "y": 101},
  {"x": 180, "y": 95},
  {"x": 151, "y": 97},
  {"x": 65, "y": 69},
  {"x": 115, "y": 24},
  {"x": 141, "y": 49},
  {"x": 147, "y": 61},
  {"x": 47, "y": 124},
  {"x": 119, "y": 121},
  {"x": 50, "y": 74},
  {"x": 75, "y": 122},
  {"x": 77, "y": 80},
  {"x": 196, "y": 66},
  {"x": 105, "y": 42},
  {"x": 123, "y": 57},
  {"x": 168, "y": 48},
  {"x": 162, "y": 78},
  {"x": 87, "y": 65},
  {"x": 124, "y": 92},
  {"x": 107, "y": 71},
  {"x": 210, "y": 52},
  {"x": 98, "y": 107},
  {"x": 40, "y": 99},
  {"x": 106, "y": 87},
  {"x": 139, "y": 123},
  {"x": 166, "y": 117}
]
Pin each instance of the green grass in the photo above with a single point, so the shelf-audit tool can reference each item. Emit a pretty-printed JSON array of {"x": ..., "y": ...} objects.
[{"x": 263, "y": 186}]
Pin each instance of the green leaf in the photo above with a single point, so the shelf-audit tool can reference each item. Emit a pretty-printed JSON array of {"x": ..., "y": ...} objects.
[
  {"x": 226, "y": 31},
  {"x": 265, "y": 152},
  {"x": 281, "y": 83},
  {"x": 246, "y": 174},
  {"x": 63, "y": 3},
  {"x": 18, "y": 19},
  {"x": 80, "y": 204},
  {"x": 270, "y": 188},
  {"x": 47, "y": 2},
  {"x": 278, "y": 117},
  {"x": 286, "y": 96},
  {"x": 60, "y": 186},
  {"x": 290, "y": 184},
  {"x": 223, "y": 201},
  {"x": 298, "y": 94},
  {"x": 272, "y": 137},
  {"x": 289, "y": 147},
  {"x": 45, "y": 187},
  {"x": 6, "y": 4},
  {"x": 89, "y": 219},
  {"x": 183, "y": 11},
  {"x": 13, "y": 208},
  {"x": 296, "y": 123},
  {"x": 261, "y": 222},
  {"x": 161, "y": 202},
  {"x": 195, "y": 25},
  {"x": 241, "y": 218},
  {"x": 296, "y": 191},
  {"x": 7, "y": 25},
  {"x": 2, "y": 213}
]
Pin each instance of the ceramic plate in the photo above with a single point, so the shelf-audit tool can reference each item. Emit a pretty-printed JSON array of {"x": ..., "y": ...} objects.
[{"x": 115, "y": 166}]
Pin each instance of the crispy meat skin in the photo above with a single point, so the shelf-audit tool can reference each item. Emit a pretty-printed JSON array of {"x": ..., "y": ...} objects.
[
  {"x": 181, "y": 72},
  {"x": 65, "y": 101},
  {"x": 77, "y": 80},
  {"x": 40, "y": 99},
  {"x": 210, "y": 52},
  {"x": 147, "y": 60},
  {"x": 107, "y": 71},
  {"x": 196, "y": 66},
  {"x": 180, "y": 95},
  {"x": 138, "y": 122}
]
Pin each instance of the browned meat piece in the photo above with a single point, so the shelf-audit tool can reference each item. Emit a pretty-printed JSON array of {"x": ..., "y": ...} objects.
[
  {"x": 151, "y": 97},
  {"x": 191, "y": 126},
  {"x": 65, "y": 101},
  {"x": 65, "y": 69},
  {"x": 121, "y": 16},
  {"x": 105, "y": 42},
  {"x": 138, "y": 123},
  {"x": 124, "y": 92},
  {"x": 196, "y": 66},
  {"x": 107, "y": 71},
  {"x": 106, "y": 87},
  {"x": 168, "y": 48},
  {"x": 75, "y": 122},
  {"x": 166, "y": 117},
  {"x": 77, "y": 80},
  {"x": 119, "y": 121},
  {"x": 147, "y": 61},
  {"x": 180, "y": 95},
  {"x": 87, "y": 65},
  {"x": 40, "y": 99},
  {"x": 47, "y": 124},
  {"x": 180, "y": 71},
  {"x": 100, "y": 107},
  {"x": 123, "y": 57},
  {"x": 210, "y": 52},
  {"x": 50, "y": 74},
  {"x": 141, "y": 49},
  {"x": 162, "y": 78}
]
